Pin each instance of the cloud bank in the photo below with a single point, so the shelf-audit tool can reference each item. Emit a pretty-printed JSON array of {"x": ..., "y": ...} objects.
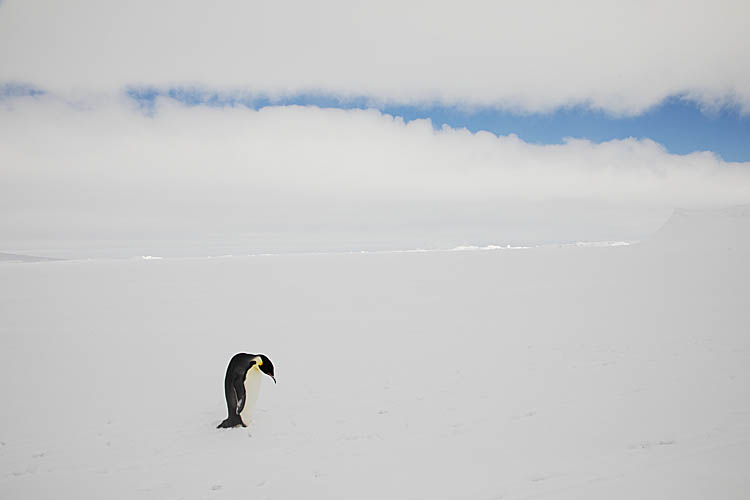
[
  {"x": 622, "y": 57},
  {"x": 305, "y": 178}
]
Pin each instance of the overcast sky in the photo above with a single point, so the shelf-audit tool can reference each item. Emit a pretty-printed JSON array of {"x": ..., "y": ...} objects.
[
  {"x": 95, "y": 152},
  {"x": 536, "y": 55}
]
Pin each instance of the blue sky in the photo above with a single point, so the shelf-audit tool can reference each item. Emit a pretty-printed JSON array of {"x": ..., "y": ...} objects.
[
  {"x": 84, "y": 128},
  {"x": 677, "y": 123},
  {"x": 543, "y": 71}
]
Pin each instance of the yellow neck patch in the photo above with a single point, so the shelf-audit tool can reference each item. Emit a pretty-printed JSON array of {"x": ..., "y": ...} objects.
[{"x": 258, "y": 360}]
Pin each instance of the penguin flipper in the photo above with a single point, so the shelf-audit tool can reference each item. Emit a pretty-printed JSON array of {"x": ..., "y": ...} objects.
[{"x": 239, "y": 390}]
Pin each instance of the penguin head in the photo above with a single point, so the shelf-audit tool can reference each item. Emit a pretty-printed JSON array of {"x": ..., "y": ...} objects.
[{"x": 266, "y": 366}]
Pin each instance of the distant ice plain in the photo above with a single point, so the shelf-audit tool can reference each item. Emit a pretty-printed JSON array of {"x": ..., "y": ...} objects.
[{"x": 566, "y": 373}]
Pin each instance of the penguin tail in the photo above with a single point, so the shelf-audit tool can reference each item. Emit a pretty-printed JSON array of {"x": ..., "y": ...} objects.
[{"x": 232, "y": 421}]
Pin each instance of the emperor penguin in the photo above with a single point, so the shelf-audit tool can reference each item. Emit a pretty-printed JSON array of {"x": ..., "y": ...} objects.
[{"x": 242, "y": 385}]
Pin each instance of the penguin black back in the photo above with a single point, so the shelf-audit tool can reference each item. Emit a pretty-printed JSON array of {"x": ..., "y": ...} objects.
[{"x": 235, "y": 385}]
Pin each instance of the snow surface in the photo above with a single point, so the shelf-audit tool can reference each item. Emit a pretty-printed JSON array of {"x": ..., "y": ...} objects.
[
  {"x": 570, "y": 372},
  {"x": 14, "y": 257}
]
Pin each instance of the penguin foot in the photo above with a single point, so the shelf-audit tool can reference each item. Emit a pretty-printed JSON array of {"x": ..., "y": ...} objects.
[{"x": 230, "y": 422}]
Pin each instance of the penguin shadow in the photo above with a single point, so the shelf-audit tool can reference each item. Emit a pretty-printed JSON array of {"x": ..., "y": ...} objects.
[
  {"x": 235, "y": 430},
  {"x": 256, "y": 423}
]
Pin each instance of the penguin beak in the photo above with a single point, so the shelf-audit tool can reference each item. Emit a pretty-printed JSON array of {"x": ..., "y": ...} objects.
[{"x": 274, "y": 379}]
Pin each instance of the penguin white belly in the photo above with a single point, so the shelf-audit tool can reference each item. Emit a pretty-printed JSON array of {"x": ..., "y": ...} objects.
[{"x": 252, "y": 389}]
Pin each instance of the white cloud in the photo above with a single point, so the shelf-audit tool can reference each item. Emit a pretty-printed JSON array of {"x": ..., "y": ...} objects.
[
  {"x": 307, "y": 178},
  {"x": 619, "y": 56}
]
